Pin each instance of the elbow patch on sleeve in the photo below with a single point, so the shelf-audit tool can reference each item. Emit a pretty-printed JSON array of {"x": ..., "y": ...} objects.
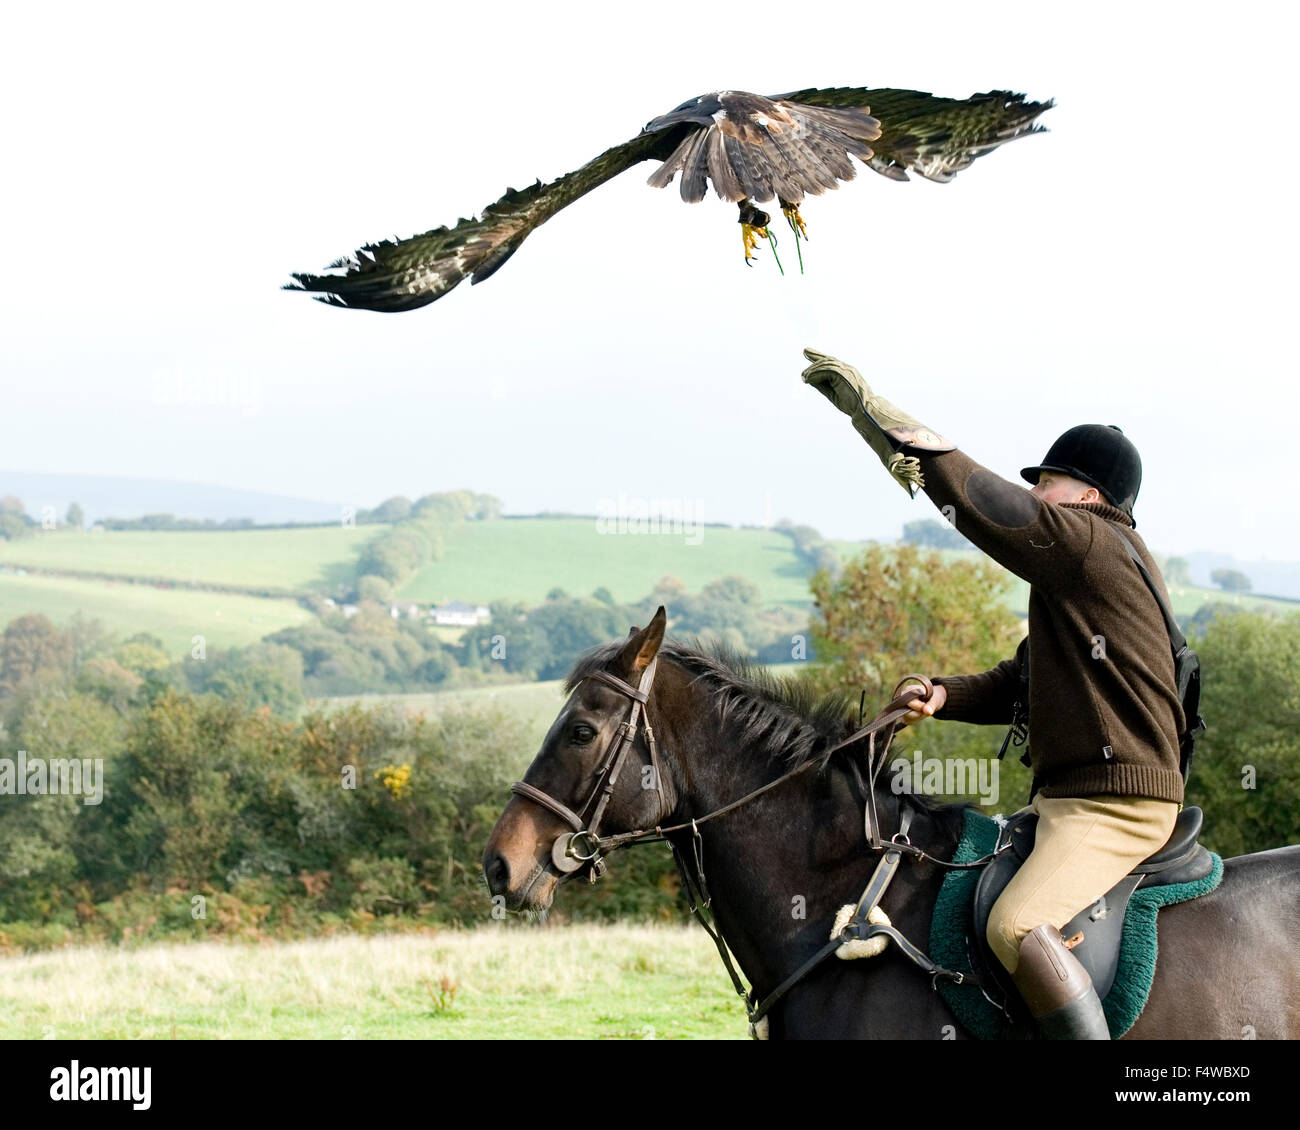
[{"x": 1001, "y": 502}]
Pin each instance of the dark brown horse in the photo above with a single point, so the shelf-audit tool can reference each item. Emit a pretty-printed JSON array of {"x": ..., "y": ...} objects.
[{"x": 779, "y": 866}]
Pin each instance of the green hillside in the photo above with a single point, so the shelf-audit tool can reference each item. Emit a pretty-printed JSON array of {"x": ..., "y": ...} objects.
[
  {"x": 313, "y": 558},
  {"x": 173, "y": 615},
  {"x": 524, "y": 558},
  {"x": 484, "y": 561}
]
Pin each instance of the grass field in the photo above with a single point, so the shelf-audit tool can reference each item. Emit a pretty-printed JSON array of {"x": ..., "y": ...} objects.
[
  {"x": 504, "y": 982},
  {"x": 315, "y": 558},
  {"x": 536, "y": 704},
  {"x": 173, "y": 615},
  {"x": 511, "y": 559},
  {"x": 524, "y": 558},
  {"x": 520, "y": 559}
]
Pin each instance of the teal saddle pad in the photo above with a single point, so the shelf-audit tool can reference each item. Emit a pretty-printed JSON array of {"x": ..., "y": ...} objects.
[{"x": 952, "y": 923}]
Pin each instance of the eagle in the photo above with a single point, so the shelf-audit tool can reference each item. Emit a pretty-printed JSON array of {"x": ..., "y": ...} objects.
[{"x": 751, "y": 148}]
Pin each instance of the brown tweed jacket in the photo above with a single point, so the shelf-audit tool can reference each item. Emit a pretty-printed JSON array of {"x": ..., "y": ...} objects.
[{"x": 1104, "y": 714}]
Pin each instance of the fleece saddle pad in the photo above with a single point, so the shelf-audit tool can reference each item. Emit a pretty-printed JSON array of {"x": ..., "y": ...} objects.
[{"x": 952, "y": 945}]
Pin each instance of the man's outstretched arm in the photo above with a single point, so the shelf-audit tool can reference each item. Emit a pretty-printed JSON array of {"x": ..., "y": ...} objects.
[{"x": 1039, "y": 542}]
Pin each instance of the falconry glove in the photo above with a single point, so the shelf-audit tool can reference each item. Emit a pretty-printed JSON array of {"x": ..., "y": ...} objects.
[{"x": 886, "y": 428}]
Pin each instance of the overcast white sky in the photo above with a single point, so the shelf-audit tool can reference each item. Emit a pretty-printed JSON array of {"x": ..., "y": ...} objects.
[{"x": 167, "y": 166}]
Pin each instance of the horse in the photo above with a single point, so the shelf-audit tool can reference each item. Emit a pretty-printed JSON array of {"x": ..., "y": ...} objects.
[{"x": 778, "y": 866}]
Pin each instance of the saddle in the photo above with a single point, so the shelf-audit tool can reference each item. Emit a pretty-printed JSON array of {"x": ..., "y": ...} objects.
[{"x": 1100, "y": 927}]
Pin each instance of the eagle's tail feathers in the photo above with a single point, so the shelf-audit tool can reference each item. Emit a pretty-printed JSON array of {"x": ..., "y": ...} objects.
[
  {"x": 662, "y": 177},
  {"x": 726, "y": 181},
  {"x": 751, "y": 169},
  {"x": 695, "y": 168}
]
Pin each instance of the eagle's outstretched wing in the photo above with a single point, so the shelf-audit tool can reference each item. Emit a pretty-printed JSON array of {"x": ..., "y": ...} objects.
[
  {"x": 934, "y": 137},
  {"x": 748, "y": 146},
  {"x": 404, "y": 274}
]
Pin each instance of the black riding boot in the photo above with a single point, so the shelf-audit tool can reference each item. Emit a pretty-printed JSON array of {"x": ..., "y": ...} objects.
[{"x": 1057, "y": 989}]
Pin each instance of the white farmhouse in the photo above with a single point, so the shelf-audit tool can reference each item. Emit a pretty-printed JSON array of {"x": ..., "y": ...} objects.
[{"x": 455, "y": 613}]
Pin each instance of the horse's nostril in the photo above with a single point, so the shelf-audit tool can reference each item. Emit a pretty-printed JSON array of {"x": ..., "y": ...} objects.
[{"x": 497, "y": 872}]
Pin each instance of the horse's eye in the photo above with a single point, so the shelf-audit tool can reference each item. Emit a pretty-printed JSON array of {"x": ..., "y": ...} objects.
[{"x": 582, "y": 733}]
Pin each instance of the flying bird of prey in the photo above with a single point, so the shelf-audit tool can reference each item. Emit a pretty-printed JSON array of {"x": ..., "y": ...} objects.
[{"x": 750, "y": 148}]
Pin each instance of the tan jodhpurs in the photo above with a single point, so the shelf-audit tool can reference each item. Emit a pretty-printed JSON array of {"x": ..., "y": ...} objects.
[{"x": 1082, "y": 848}]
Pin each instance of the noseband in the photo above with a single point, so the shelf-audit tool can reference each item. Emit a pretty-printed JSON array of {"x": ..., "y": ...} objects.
[{"x": 574, "y": 850}]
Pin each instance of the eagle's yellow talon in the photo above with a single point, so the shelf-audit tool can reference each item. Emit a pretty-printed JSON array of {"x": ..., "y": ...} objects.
[
  {"x": 795, "y": 220},
  {"x": 750, "y": 235}
]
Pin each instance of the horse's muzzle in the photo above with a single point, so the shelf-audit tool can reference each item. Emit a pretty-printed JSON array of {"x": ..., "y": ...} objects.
[{"x": 524, "y": 885}]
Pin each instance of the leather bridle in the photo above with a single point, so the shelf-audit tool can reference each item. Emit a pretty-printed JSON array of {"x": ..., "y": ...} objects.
[
  {"x": 584, "y": 846},
  {"x": 574, "y": 850}
]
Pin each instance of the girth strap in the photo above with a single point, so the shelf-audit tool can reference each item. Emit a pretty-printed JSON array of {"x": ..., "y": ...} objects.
[
  {"x": 880, "y": 880},
  {"x": 860, "y": 928}
]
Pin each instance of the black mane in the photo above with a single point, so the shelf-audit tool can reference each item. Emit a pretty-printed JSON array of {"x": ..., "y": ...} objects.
[{"x": 779, "y": 718}]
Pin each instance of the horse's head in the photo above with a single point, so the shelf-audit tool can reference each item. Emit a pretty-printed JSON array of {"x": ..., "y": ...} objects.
[{"x": 596, "y": 772}]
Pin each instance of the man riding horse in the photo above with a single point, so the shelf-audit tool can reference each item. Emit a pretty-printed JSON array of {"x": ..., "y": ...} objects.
[{"x": 1104, "y": 715}]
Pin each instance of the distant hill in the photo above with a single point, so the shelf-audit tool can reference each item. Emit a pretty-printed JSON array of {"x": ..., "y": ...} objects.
[
  {"x": 520, "y": 559},
  {"x": 310, "y": 559},
  {"x": 1276, "y": 578},
  {"x": 524, "y": 558},
  {"x": 175, "y": 616},
  {"x": 103, "y": 496}
]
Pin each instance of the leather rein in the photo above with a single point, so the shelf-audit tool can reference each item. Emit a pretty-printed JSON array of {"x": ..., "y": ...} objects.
[{"x": 585, "y": 847}]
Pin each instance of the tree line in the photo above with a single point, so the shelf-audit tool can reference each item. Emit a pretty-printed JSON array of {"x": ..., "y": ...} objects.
[
  {"x": 373, "y": 652},
  {"x": 225, "y": 813}
]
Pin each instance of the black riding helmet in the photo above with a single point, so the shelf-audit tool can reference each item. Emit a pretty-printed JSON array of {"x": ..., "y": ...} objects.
[{"x": 1100, "y": 455}]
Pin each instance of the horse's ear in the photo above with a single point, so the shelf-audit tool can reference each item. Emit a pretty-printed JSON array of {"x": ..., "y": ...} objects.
[{"x": 643, "y": 644}]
